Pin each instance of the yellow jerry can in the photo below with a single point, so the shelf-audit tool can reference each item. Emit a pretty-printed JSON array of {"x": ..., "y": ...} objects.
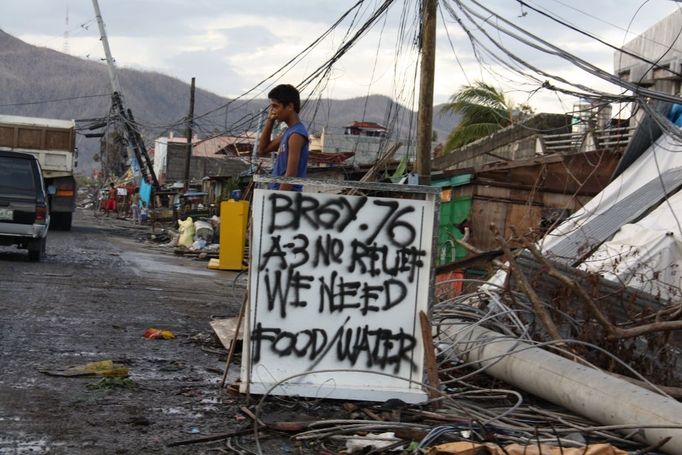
[{"x": 234, "y": 218}]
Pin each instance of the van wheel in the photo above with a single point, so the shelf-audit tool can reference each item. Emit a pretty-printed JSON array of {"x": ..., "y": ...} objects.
[{"x": 36, "y": 249}]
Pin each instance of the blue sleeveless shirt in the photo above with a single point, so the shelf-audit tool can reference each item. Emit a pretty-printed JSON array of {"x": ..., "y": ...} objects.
[{"x": 280, "y": 167}]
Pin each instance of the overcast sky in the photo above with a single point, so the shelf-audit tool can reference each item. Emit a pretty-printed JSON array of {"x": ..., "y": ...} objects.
[{"x": 231, "y": 45}]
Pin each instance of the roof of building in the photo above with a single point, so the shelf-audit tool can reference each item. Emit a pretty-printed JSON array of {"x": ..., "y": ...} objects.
[
  {"x": 367, "y": 125},
  {"x": 218, "y": 145},
  {"x": 316, "y": 157}
]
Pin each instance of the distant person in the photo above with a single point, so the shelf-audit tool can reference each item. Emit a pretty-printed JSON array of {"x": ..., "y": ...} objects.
[
  {"x": 135, "y": 205},
  {"x": 292, "y": 145},
  {"x": 144, "y": 213},
  {"x": 111, "y": 199}
]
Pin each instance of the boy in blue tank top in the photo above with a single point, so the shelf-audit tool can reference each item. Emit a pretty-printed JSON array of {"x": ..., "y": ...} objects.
[{"x": 292, "y": 146}]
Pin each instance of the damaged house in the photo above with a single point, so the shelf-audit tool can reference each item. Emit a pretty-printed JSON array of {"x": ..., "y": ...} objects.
[
  {"x": 220, "y": 155},
  {"x": 526, "y": 177}
]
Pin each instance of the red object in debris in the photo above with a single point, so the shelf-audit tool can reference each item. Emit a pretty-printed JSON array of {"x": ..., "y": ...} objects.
[
  {"x": 158, "y": 334},
  {"x": 452, "y": 286}
]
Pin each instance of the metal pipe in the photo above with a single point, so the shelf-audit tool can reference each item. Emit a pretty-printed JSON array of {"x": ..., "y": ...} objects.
[{"x": 586, "y": 391}]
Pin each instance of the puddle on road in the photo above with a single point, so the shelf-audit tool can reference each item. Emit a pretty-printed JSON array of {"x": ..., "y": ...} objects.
[{"x": 146, "y": 263}]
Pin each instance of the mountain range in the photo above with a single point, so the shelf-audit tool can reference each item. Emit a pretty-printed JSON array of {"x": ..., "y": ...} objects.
[{"x": 41, "y": 82}]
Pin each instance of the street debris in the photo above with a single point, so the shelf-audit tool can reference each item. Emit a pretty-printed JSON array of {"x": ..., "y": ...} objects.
[
  {"x": 470, "y": 448},
  {"x": 225, "y": 330},
  {"x": 186, "y": 228},
  {"x": 99, "y": 368},
  {"x": 153, "y": 333},
  {"x": 371, "y": 441}
]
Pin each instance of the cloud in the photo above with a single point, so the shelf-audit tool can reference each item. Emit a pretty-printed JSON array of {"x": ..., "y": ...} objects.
[
  {"x": 249, "y": 38},
  {"x": 212, "y": 71},
  {"x": 232, "y": 45}
]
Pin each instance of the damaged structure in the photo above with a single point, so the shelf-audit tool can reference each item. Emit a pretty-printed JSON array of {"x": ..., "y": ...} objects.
[{"x": 587, "y": 314}]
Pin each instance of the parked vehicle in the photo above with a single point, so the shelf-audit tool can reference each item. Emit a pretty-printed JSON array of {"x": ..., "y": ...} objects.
[
  {"x": 24, "y": 207},
  {"x": 52, "y": 142}
]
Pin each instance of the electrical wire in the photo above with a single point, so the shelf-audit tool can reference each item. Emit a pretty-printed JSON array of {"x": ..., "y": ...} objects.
[{"x": 56, "y": 100}]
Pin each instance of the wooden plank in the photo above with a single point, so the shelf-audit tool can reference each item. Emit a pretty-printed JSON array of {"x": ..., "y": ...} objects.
[
  {"x": 7, "y": 136},
  {"x": 225, "y": 330},
  {"x": 430, "y": 363},
  {"x": 523, "y": 219},
  {"x": 528, "y": 196},
  {"x": 57, "y": 140},
  {"x": 494, "y": 192},
  {"x": 29, "y": 138},
  {"x": 561, "y": 201},
  {"x": 483, "y": 214}
]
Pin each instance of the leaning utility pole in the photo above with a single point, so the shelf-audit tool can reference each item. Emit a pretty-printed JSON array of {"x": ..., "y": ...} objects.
[
  {"x": 190, "y": 119},
  {"x": 134, "y": 137},
  {"x": 113, "y": 77},
  {"x": 425, "y": 113}
]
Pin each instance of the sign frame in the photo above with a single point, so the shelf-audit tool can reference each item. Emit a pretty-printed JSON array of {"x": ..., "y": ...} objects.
[{"x": 270, "y": 375}]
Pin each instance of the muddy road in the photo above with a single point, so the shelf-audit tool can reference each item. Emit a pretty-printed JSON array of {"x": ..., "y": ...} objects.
[{"x": 91, "y": 299}]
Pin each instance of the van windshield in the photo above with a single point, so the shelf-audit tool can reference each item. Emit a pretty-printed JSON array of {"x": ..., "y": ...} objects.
[{"x": 16, "y": 176}]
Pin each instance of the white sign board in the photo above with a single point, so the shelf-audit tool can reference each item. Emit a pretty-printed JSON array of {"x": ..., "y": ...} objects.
[{"x": 337, "y": 283}]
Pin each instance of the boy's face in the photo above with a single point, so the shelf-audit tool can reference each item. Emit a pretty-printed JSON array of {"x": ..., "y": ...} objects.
[{"x": 279, "y": 111}]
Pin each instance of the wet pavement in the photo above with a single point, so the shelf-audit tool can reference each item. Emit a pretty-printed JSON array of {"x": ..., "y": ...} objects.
[{"x": 91, "y": 299}]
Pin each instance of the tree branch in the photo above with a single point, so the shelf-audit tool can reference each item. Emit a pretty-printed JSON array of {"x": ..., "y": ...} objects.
[
  {"x": 613, "y": 332},
  {"x": 522, "y": 281}
]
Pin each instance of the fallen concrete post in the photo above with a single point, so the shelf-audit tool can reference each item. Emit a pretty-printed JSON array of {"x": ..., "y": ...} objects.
[{"x": 581, "y": 389}]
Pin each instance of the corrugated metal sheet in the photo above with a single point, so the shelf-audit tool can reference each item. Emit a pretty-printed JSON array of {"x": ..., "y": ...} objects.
[
  {"x": 601, "y": 227},
  {"x": 457, "y": 180},
  {"x": 646, "y": 134}
]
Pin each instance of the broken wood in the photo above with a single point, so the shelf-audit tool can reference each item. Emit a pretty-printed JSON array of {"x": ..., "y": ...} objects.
[
  {"x": 430, "y": 363},
  {"x": 613, "y": 332},
  {"x": 230, "y": 355},
  {"x": 538, "y": 306},
  {"x": 252, "y": 416},
  {"x": 226, "y": 330},
  {"x": 215, "y": 437},
  {"x": 372, "y": 415}
]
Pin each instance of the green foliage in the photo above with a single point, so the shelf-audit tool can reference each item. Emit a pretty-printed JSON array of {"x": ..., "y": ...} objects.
[
  {"x": 399, "y": 171},
  {"x": 484, "y": 110}
]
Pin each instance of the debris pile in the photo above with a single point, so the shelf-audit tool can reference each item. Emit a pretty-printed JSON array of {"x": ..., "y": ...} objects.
[
  {"x": 470, "y": 411},
  {"x": 198, "y": 238}
]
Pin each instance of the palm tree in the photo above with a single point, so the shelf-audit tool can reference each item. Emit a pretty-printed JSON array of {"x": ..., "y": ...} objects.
[{"x": 484, "y": 109}]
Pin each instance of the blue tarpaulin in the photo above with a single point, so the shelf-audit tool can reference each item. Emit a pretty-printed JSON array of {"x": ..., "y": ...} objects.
[{"x": 145, "y": 191}]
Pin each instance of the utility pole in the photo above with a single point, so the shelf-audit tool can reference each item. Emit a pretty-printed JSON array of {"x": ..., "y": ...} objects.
[
  {"x": 190, "y": 119},
  {"x": 134, "y": 138},
  {"x": 425, "y": 113},
  {"x": 113, "y": 77}
]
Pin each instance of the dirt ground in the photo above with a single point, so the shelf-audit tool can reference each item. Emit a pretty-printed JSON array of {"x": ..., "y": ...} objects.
[{"x": 91, "y": 299}]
